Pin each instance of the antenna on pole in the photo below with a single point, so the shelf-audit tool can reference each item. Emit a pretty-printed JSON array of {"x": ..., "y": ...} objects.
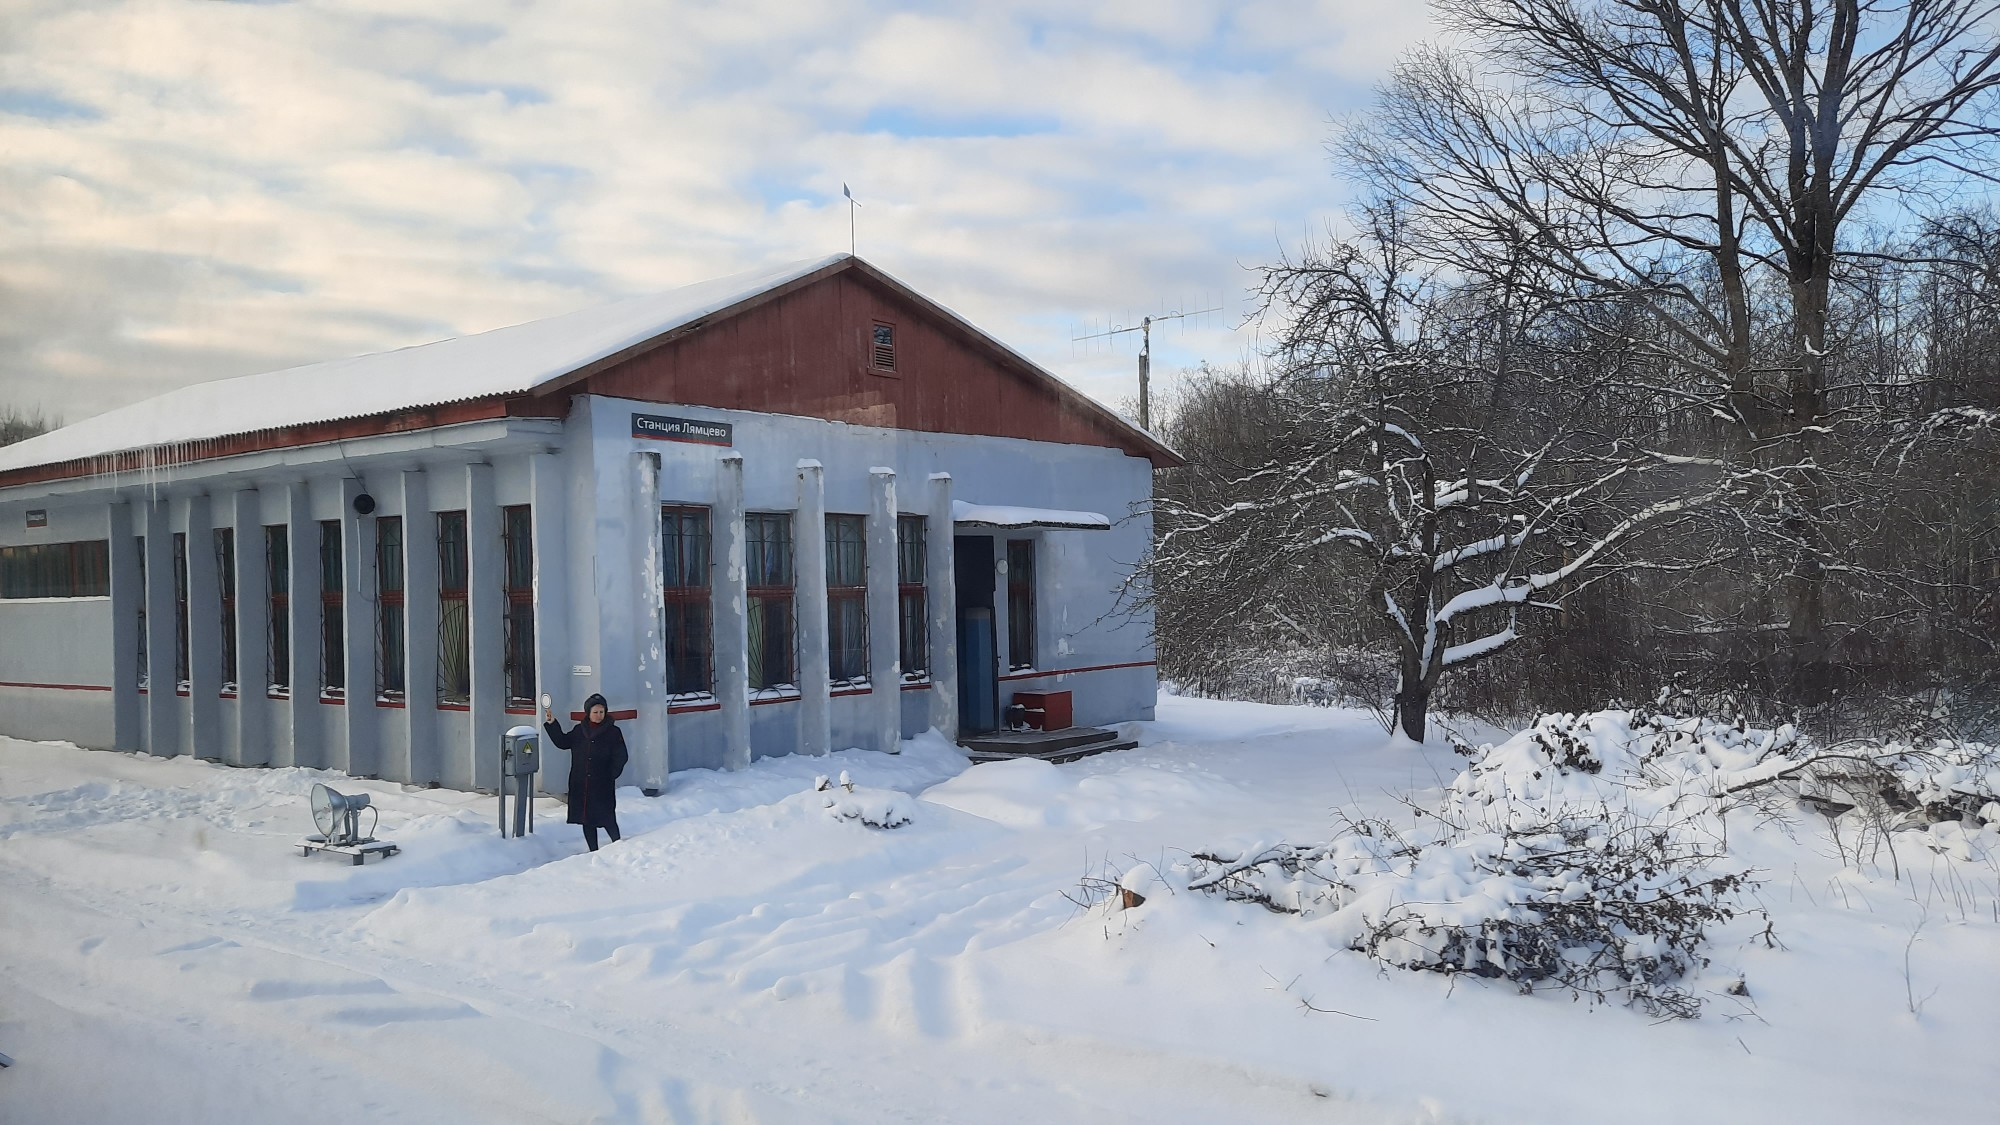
[
  {"x": 1145, "y": 330},
  {"x": 852, "y": 203}
]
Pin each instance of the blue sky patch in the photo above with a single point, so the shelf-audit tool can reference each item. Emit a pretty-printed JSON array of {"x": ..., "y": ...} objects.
[
  {"x": 904, "y": 121},
  {"x": 45, "y": 106}
]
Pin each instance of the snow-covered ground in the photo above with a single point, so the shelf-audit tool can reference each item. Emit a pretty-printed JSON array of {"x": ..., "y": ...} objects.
[{"x": 746, "y": 954}]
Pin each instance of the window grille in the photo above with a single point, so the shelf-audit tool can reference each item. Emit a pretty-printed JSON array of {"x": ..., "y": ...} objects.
[
  {"x": 332, "y": 624},
  {"x": 180, "y": 611},
  {"x": 912, "y": 628},
  {"x": 225, "y": 574},
  {"x": 768, "y": 538},
  {"x": 518, "y": 545},
  {"x": 685, "y": 597},
  {"x": 144, "y": 677},
  {"x": 278, "y": 580},
  {"x": 454, "y": 649},
  {"x": 391, "y": 644},
  {"x": 846, "y": 599}
]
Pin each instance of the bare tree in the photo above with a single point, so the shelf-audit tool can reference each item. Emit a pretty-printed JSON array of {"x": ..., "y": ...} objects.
[
  {"x": 1685, "y": 153},
  {"x": 17, "y": 424},
  {"x": 1453, "y": 450}
]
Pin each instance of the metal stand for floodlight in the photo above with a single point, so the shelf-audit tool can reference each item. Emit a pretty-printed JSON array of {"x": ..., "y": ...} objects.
[{"x": 337, "y": 815}]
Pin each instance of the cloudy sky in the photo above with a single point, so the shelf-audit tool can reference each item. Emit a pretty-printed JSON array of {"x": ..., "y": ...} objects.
[{"x": 191, "y": 190}]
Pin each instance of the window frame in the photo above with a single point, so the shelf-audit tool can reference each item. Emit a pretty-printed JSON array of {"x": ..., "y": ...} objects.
[
  {"x": 392, "y": 622},
  {"x": 225, "y": 585},
  {"x": 913, "y": 638},
  {"x": 846, "y": 599},
  {"x": 778, "y": 590},
  {"x": 183, "y": 675},
  {"x": 872, "y": 353},
  {"x": 454, "y": 640},
  {"x": 40, "y": 571},
  {"x": 1021, "y": 608},
  {"x": 145, "y": 657},
  {"x": 332, "y": 612},
  {"x": 517, "y": 583},
  {"x": 278, "y": 600},
  {"x": 687, "y": 628}
]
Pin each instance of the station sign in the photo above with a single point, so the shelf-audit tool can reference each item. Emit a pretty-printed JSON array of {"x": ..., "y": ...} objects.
[{"x": 658, "y": 427}]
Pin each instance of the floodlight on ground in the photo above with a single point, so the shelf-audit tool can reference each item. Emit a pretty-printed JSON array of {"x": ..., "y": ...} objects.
[{"x": 337, "y": 815}]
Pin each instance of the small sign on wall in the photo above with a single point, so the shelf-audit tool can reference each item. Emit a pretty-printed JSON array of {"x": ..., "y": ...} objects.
[
  {"x": 661, "y": 428},
  {"x": 38, "y": 517}
]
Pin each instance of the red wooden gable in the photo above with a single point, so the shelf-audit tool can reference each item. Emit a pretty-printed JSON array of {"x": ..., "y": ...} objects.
[{"x": 806, "y": 349}]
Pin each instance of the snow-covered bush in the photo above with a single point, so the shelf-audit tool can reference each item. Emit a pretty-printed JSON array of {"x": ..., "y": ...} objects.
[
  {"x": 1587, "y": 853},
  {"x": 1949, "y": 780},
  {"x": 876, "y": 808}
]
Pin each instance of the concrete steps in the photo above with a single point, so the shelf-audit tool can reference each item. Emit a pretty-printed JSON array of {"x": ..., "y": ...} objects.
[{"x": 1065, "y": 745}]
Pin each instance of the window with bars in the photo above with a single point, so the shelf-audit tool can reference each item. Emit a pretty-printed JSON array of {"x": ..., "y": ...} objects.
[
  {"x": 391, "y": 646},
  {"x": 1021, "y": 603},
  {"x": 278, "y": 580},
  {"x": 454, "y": 649},
  {"x": 180, "y": 611},
  {"x": 912, "y": 629},
  {"x": 684, "y": 576},
  {"x": 332, "y": 612},
  {"x": 225, "y": 574},
  {"x": 768, "y": 539},
  {"x": 517, "y": 543},
  {"x": 56, "y": 570},
  {"x": 882, "y": 347},
  {"x": 846, "y": 599},
  {"x": 144, "y": 670}
]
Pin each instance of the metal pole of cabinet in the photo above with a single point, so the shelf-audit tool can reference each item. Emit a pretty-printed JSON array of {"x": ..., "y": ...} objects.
[{"x": 520, "y": 760}]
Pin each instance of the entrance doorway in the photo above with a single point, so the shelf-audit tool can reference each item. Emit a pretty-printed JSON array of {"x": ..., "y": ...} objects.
[{"x": 978, "y": 648}]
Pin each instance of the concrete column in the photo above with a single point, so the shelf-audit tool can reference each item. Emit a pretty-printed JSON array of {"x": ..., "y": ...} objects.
[
  {"x": 127, "y": 595},
  {"x": 204, "y": 712},
  {"x": 253, "y": 610},
  {"x": 426, "y": 762},
  {"x": 162, "y": 706},
  {"x": 885, "y": 669},
  {"x": 308, "y": 744},
  {"x": 362, "y": 753},
  {"x": 486, "y": 597},
  {"x": 809, "y": 571},
  {"x": 552, "y": 664},
  {"x": 650, "y": 746},
  {"x": 730, "y": 606},
  {"x": 941, "y": 597}
]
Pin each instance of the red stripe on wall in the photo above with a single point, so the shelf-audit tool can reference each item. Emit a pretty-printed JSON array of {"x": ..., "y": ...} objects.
[
  {"x": 1073, "y": 671},
  {"x": 61, "y": 687}
]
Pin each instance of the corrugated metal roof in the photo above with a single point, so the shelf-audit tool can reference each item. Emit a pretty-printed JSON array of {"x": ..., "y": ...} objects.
[{"x": 504, "y": 361}]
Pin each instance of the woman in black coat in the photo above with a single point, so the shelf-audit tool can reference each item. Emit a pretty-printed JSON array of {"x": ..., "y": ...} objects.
[{"x": 597, "y": 757}]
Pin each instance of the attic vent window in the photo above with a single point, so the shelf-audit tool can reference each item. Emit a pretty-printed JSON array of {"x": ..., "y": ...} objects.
[{"x": 882, "y": 347}]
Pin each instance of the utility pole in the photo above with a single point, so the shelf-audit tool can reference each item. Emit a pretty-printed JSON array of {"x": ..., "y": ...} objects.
[{"x": 1145, "y": 330}]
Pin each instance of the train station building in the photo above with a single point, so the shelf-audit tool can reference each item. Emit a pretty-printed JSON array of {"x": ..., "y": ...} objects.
[{"x": 789, "y": 511}]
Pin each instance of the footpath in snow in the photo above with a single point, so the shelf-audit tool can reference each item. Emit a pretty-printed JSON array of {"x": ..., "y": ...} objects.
[{"x": 746, "y": 955}]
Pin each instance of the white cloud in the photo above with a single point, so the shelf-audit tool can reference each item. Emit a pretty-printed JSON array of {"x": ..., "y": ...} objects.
[{"x": 197, "y": 191}]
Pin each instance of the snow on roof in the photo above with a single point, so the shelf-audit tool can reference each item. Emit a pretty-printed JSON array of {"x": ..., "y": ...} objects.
[
  {"x": 1008, "y": 515},
  {"x": 503, "y": 361}
]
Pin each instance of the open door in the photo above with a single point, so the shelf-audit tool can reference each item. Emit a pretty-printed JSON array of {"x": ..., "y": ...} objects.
[{"x": 978, "y": 647}]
